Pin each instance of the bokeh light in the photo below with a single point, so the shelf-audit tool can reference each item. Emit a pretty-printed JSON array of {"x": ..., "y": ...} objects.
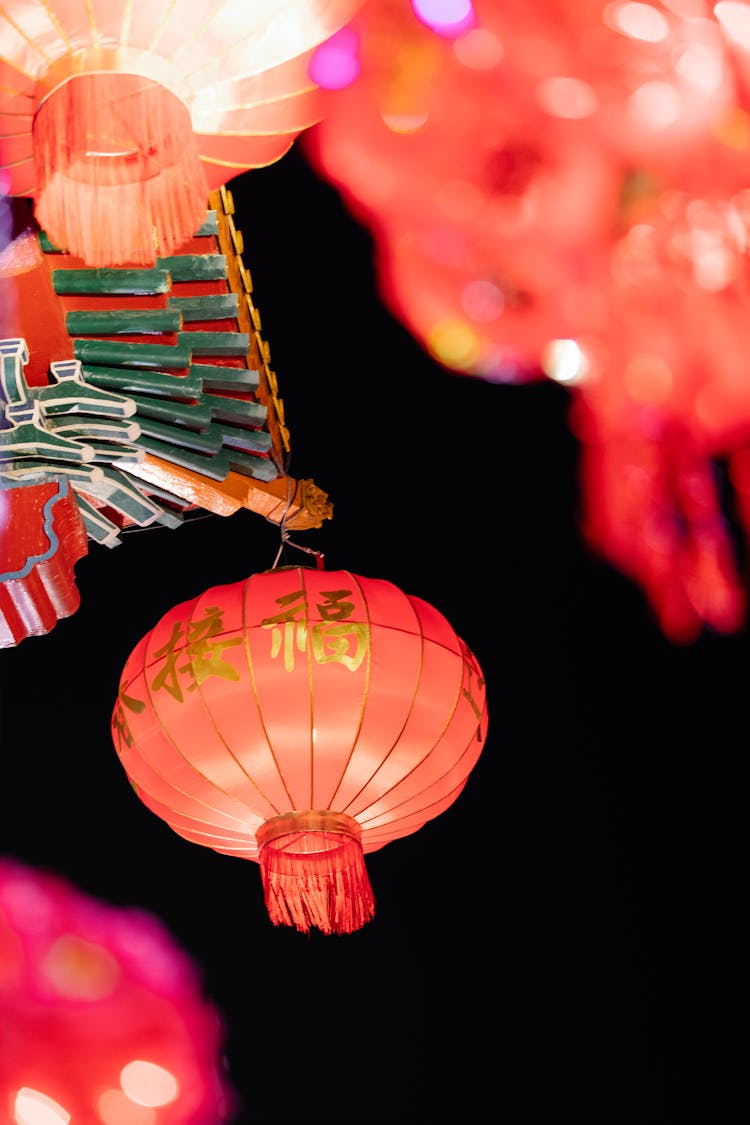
[
  {"x": 564, "y": 362},
  {"x": 734, "y": 17},
  {"x": 32, "y": 1107},
  {"x": 446, "y": 17},
  {"x": 335, "y": 64},
  {"x": 146, "y": 1083},
  {"x": 639, "y": 21}
]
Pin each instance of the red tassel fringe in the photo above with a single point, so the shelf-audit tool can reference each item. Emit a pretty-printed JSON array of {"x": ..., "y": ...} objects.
[
  {"x": 119, "y": 177},
  {"x": 315, "y": 879}
]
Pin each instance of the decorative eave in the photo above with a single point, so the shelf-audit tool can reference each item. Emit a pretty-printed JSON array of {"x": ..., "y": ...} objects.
[{"x": 149, "y": 392}]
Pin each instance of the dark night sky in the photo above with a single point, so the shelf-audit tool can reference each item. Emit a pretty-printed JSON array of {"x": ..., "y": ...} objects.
[{"x": 560, "y": 945}]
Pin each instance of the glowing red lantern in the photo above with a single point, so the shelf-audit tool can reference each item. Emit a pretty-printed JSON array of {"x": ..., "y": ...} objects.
[
  {"x": 101, "y": 1014},
  {"x": 120, "y": 118},
  {"x": 302, "y": 719}
]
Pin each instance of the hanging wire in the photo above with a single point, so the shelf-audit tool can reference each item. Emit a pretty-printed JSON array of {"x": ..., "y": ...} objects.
[
  {"x": 187, "y": 517},
  {"x": 283, "y": 529}
]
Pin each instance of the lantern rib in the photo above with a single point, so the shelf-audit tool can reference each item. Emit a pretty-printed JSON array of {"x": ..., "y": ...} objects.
[
  {"x": 289, "y": 96},
  {"x": 159, "y": 806},
  {"x": 311, "y": 721},
  {"x": 162, "y": 25},
  {"x": 365, "y": 697},
  {"x": 446, "y": 725},
  {"x": 55, "y": 21},
  {"x": 171, "y": 785},
  {"x": 245, "y": 843},
  {"x": 196, "y": 33},
  {"x": 17, "y": 163},
  {"x": 220, "y": 736},
  {"x": 31, "y": 78},
  {"x": 475, "y": 738},
  {"x": 251, "y": 673},
  {"x": 26, "y": 38},
  {"x": 168, "y": 738},
  {"x": 238, "y": 42},
  {"x": 188, "y": 816},
  {"x": 247, "y": 133},
  {"x": 127, "y": 19},
  {"x": 439, "y": 801},
  {"x": 16, "y": 92},
  {"x": 383, "y": 834},
  {"x": 404, "y": 724},
  {"x": 95, "y": 36}
]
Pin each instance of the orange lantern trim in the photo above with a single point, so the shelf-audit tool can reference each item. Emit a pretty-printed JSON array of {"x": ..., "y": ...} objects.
[{"x": 302, "y": 719}]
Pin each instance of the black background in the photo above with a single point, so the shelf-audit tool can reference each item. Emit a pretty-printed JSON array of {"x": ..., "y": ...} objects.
[{"x": 561, "y": 945}]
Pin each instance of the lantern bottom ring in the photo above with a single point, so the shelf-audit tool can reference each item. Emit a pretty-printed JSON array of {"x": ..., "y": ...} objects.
[{"x": 311, "y": 820}]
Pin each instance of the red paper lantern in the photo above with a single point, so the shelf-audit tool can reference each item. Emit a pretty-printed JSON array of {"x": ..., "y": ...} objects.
[
  {"x": 120, "y": 118},
  {"x": 302, "y": 719}
]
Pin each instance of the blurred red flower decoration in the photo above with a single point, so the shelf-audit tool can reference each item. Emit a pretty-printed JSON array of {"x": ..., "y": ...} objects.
[
  {"x": 561, "y": 190},
  {"x": 102, "y": 1019}
]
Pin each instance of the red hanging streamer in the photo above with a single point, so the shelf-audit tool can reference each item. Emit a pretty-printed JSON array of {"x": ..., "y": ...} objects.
[{"x": 313, "y": 872}]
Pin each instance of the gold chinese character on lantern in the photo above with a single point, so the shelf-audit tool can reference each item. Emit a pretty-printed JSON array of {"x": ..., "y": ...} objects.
[
  {"x": 334, "y": 639},
  {"x": 204, "y": 652}
]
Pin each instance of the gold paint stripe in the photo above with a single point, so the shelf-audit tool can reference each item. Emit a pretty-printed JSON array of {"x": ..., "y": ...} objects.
[{"x": 17, "y": 163}]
